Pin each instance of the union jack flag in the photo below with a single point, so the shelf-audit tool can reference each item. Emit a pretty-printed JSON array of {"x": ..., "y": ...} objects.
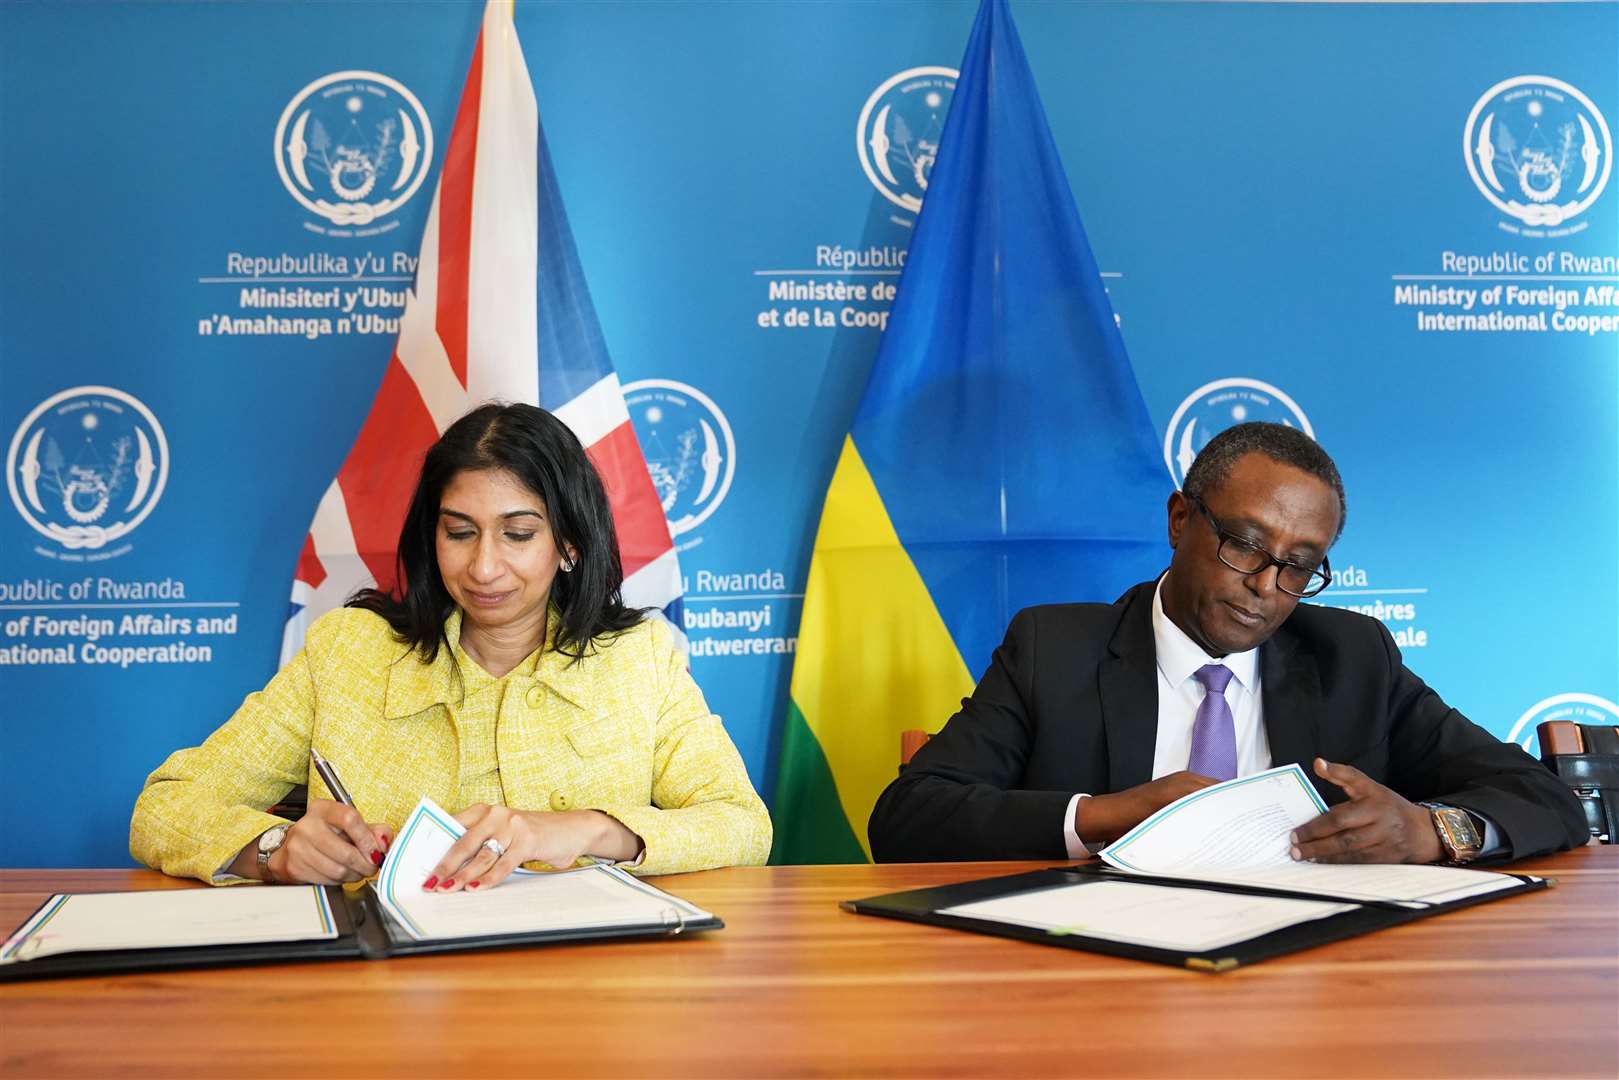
[{"x": 499, "y": 310}]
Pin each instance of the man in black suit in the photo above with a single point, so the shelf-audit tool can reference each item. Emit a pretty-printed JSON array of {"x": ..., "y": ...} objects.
[{"x": 1090, "y": 714}]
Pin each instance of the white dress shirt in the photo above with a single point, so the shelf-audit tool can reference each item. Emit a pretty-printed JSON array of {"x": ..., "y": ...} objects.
[{"x": 1179, "y": 695}]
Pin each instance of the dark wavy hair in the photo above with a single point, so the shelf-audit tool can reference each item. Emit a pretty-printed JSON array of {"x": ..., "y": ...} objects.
[
  {"x": 1278, "y": 442},
  {"x": 544, "y": 456}
]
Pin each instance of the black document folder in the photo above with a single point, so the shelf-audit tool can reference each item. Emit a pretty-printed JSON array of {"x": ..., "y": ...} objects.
[
  {"x": 1364, "y": 916},
  {"x": 363, "y": 931}
]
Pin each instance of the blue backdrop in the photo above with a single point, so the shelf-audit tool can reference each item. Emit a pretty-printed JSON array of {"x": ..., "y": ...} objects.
[{"x": 1395, "y": 225}]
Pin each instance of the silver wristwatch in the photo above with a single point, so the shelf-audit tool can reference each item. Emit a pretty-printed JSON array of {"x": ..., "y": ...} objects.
[{"x": 270, "y": 842}]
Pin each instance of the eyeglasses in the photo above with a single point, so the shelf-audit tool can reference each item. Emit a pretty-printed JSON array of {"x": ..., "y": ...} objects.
[{"x": 1247, "y": 557}]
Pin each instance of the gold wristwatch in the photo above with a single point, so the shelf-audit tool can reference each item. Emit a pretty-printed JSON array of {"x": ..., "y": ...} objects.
[{"x": 1458, "y": 834}]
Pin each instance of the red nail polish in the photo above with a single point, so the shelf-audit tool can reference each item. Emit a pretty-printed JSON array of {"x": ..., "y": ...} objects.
[
  {"x": 473, "y": 884},
  {"x": 376, "y": 857},
  {"x": 430, "y": 882},
  {"x": 448, "y": 884}
]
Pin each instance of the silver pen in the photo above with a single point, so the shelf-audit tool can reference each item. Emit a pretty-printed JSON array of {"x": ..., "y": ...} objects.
[{"x": 328, "y": 776}]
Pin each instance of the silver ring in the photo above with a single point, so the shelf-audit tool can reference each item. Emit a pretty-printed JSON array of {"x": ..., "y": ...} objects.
[{"x": 494, "y": 847}]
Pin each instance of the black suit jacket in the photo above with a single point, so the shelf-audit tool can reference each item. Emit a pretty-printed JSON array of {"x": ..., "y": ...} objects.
[{"x": 1070, "y": 704}]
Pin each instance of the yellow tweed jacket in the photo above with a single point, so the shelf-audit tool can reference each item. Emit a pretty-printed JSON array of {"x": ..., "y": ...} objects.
[{"x": 623, "y": 730}]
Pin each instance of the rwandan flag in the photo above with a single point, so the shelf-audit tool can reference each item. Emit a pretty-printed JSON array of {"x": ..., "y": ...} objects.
[{"x": 1001, "y": 456}]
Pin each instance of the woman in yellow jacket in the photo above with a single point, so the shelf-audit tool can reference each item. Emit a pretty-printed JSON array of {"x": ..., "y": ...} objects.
[{"x": 506, "y": 680}]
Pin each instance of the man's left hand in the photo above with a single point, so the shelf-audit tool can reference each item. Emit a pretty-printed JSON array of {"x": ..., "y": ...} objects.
[{"x": 1376, "y": 825}]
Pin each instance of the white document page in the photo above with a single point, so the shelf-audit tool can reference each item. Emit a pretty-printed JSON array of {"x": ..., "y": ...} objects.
[
  {"x": 1405, "y": 884},
  {"x": 1185, "y": 920},
  {"x": 593, "y": 897},
  {"x": 1239, "y": 823},
  {"x": 172, "y": 918},
  {"x": 1238, "y": 833}
]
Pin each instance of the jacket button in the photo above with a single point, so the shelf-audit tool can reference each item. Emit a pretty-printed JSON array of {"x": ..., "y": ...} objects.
[
  {"x": 536, "y": 695},
  {"x": 560, "y": 800}
]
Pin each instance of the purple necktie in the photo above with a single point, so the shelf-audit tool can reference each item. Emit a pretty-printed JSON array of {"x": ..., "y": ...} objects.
[{"x": 1214, "y": 734}]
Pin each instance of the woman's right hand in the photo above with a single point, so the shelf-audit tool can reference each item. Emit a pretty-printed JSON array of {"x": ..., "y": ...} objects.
[{"x": 329, "y": 845}]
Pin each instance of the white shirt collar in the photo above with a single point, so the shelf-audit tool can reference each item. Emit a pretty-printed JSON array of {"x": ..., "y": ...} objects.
[{"x": 1179, "y": 656}]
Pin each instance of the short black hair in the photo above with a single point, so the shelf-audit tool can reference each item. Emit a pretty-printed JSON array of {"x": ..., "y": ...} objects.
[
  {"x": 543, "y": 455},
  {"x": 1288, "y": 445}
]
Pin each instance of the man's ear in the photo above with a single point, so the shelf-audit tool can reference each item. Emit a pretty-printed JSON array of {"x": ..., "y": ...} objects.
[{"x": 1177, "y": 512}]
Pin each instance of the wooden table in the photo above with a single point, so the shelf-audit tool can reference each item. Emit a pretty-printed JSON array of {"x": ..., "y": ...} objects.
[{"x": 1527, "y": 986}]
